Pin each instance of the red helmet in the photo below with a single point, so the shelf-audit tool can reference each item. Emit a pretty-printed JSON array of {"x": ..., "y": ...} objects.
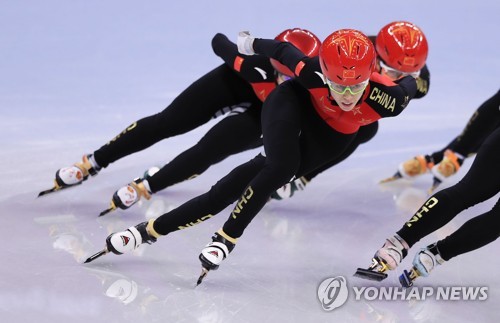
[
  {"x": 304, "y": 40},
  {"x": 402, "y": 46},
  {"x": 347, "y": 57}
]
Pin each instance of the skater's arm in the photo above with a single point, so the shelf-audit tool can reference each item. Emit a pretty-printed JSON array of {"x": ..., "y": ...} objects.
[
  {"x": 480, "y": 125},
  {"x": 284, "y": 52},
  {"x": 390, "y": 98},
  {"x": 254, "y": 69},
  {"x": 423, "y": 83},
  {"x": 225, "y": 49}
]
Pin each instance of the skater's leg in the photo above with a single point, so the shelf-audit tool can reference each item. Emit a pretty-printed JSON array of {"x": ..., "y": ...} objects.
[
  {"x": 473, "y": 234},
  {"x": 195, "y": 106},
  {"x": 364, "y": 134},
  {"x": 193, "y": 212},
  {"x": 481, "y": 182},
  {"x": 238, "y": 132},
  {"x": 203, "y": 207},
  {"x": 480, "y": 125}
]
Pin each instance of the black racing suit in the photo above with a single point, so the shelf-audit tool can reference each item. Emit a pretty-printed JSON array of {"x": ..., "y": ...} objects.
[{"x": 303, "y": 129}]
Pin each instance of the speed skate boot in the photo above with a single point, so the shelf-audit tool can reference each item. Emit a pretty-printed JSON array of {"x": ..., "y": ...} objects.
[
  {"x": 128, "y": 195},
  {"x": 74, "y": 175},
  {"x": 215, "y": 252},
  {"x": 449, "y": 166},
  {"x": 386, "y": 258},
  {"x": 412, "y": 168},
  {"x": 287, "y": 190},
  {"x": 128, "y": 240},
  {"x": 423, "y": 263}
]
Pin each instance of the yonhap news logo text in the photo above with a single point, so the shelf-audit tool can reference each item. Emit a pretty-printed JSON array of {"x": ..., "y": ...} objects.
[{"x": 334, "y": 292}]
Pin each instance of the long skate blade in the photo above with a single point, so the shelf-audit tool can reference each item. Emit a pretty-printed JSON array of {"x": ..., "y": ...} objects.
[
  {"x": 203, "y": 274},
  {"x": 96, "y": 255},
  {"x": 370, "y": 274},
  {"x": 112, "y": 207},
  {"x": 106, "y": 211},
  {"x": 56, "y": 188},
  {"x": 392, "y": 178},
  {"x": 51, "y": 190}
]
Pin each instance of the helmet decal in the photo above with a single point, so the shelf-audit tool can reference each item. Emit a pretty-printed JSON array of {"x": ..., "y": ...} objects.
[
  {"x": 406, "y": 36},
  {"x": 350, "y": 45}
]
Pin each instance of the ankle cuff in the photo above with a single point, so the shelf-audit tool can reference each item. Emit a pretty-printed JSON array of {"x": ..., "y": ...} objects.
[
  {"x": 151, "y": 230},
  {"x": 140, "y": 188},
  {"x": 403, "y": 242},
  {"x": 93, "y": 162},
  {"x": 225, "y": 236},
  {"x": 146, "y": 185},
  {"x": 435, "y": 251}
]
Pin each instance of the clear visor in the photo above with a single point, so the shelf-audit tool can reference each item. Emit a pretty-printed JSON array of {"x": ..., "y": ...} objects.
[
  {"x": 393, "y": 73},
  {"x": 353, "y": 89}
]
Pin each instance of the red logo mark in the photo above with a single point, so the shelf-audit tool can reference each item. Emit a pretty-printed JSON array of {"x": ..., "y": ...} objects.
[{"x": 125, "y": 240}]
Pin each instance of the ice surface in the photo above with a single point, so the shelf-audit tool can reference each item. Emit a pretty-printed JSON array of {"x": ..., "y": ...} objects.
[{"x": 73, "y": 74}]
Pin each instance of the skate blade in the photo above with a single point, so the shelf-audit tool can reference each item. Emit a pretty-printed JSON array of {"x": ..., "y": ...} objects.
[
  {"x": 203, "y": 274},
  {"x": 51, "y": 190},
  {"x": 112, "y": 207},
  {"x": 56, "y": 188},
  {"x": 370, "y": 274},
  {"x": 96, "y": 255},
  {"x": 392, "y": 178}
]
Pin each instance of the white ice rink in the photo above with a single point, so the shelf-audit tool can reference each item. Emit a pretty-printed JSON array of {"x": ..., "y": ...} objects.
[{"x": 73, "y": 74}]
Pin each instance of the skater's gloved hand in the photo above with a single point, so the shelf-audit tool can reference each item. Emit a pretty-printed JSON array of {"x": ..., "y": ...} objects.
[{"x": 245, "y": 43}]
